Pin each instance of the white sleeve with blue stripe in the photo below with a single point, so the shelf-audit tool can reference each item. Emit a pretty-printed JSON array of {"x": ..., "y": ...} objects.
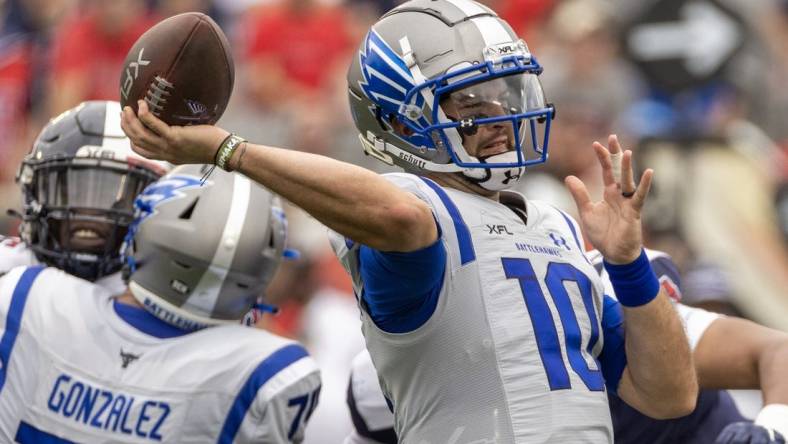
[{"x": 277, "y": 400}]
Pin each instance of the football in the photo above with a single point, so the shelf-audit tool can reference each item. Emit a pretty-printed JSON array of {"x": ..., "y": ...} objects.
[{"x": 183, "y": 68}]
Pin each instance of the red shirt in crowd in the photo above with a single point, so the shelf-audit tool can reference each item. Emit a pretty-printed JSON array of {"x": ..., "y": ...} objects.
[
  {"x": 82, "y": 48},
  {"x": 306, "y": 44}
]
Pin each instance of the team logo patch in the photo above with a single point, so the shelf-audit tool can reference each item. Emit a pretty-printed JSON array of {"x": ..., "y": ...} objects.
[{"x": 127, "y": 358}]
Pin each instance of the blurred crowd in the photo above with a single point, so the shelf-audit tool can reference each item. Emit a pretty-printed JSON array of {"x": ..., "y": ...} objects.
[{"x": 720, "y": 200}]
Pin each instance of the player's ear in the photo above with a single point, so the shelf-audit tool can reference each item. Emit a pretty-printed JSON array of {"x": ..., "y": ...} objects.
[{"x": 400, "y": 128}]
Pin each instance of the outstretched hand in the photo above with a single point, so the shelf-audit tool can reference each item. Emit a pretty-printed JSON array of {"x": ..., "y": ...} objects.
[
  {"x": 154, "y": 139},
  {"x": 613, "y": 225}
]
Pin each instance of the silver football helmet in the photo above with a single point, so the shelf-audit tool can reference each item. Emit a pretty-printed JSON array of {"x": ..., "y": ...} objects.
[
  {"x": 79, "y": 182},
  {"x": 447, "y": 86},
  {"x": 200, "y": 254}
]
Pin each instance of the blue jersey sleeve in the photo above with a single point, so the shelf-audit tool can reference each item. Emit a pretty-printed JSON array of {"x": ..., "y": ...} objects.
[
  {"x": 401, "y": 289},
  {"x": 613, "y": 358}
]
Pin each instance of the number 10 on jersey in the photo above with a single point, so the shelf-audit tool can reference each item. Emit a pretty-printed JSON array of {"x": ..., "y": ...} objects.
[{"x": 545, "y": 330}]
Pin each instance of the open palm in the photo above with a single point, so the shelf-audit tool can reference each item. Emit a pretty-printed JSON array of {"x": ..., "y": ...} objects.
[{"x": 612, "y": 225}]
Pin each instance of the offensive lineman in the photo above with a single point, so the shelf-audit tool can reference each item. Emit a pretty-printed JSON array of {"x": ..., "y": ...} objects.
[
  {"x": 78, "y": 186},
  {"x": 166, "y": 361},
  {"x": 481, "y": 312}
]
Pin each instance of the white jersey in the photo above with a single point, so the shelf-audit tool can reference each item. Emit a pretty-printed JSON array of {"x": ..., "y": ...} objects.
[
  {"x": 15, "y": 253},
  {"x": 695, "y": 320},
  {"x": 509, "y": 353},
  {"x": 374, "y": 422},
  {"x": 77, "y": 366}
]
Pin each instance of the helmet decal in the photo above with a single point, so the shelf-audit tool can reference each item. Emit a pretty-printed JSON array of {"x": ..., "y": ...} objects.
[
  {"x": 386, "y": 81},
  {"x": 386, "y": 76},
  {"x": 165, "y": 189}
]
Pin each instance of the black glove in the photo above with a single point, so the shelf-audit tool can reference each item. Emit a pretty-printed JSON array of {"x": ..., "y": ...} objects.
[{"x": 748, "y": 433}]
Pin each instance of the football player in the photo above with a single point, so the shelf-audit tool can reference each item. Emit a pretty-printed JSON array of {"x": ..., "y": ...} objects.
[
  {"x": 167, "y": 360},
  {"x": 482, "y": 314},
  {"x": 78, "y": 186},
  {"x": 760, "y": 356},
  {"x": 729, "y": 353}
]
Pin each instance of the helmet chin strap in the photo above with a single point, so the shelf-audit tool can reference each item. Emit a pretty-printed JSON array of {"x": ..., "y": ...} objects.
[{"x": 496, "y": 179}]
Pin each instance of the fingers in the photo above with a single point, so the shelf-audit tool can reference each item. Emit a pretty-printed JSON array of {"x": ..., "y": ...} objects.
[
  {"x": 627, "y": 179},
  {"x": 142, "y": 151},
  {"x": 579, "y": 193},
  {"x": 143, "y": 140},
  {"x": 151, "y": 121},
  {"x": 615, "y": 156},
  {"x": 642, "y": 190},
  {"x": 607, "y": 165},
  {"x": 613, "y": 145}
]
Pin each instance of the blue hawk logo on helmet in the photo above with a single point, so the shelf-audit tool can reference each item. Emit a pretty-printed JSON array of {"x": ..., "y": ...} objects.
[
  {"x": 165, "y": 189},
  {"x": 387, "y": 81}
]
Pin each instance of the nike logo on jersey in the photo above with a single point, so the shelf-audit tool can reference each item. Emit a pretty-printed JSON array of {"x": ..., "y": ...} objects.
[
  {"x": 106, "y": 410},
  {"x": 127, "y": 358}
]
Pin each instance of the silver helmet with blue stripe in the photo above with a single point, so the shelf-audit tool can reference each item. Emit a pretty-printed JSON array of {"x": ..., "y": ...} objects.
[
  {"x": 200, "y": 253},
  {"x": 447, "y": 86}
]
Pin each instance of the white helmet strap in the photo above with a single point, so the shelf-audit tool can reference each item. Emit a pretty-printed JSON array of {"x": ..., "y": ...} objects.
[{"x": 496, "y": 179}]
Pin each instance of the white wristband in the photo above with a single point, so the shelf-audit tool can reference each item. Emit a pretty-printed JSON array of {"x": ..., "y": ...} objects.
[{"x": 775, "y": 417}]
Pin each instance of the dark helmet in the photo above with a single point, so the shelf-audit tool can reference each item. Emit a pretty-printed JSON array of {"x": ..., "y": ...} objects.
[{"x": 79, "y": 183}]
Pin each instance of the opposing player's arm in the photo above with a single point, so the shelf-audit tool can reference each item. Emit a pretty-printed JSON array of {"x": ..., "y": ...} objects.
[
  {"x": 735, "y": 353},
  {"x": 351, "y": 200}
]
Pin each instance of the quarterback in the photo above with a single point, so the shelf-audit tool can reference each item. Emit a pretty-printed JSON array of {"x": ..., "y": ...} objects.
[
  {"x": 166, "y": 360},
  {"x": 756, "y": 351},
  {"x": 484, "y": 318}
]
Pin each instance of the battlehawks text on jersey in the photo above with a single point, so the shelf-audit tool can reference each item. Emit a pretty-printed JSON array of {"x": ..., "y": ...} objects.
[
  {"x": 15, "y": 253},
  {"x": 509, "y": 353},
  {"x": 78, "y": 366}
]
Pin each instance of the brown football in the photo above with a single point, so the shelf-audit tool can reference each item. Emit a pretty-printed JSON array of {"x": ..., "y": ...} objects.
[{"x": 182, "y": 67}]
